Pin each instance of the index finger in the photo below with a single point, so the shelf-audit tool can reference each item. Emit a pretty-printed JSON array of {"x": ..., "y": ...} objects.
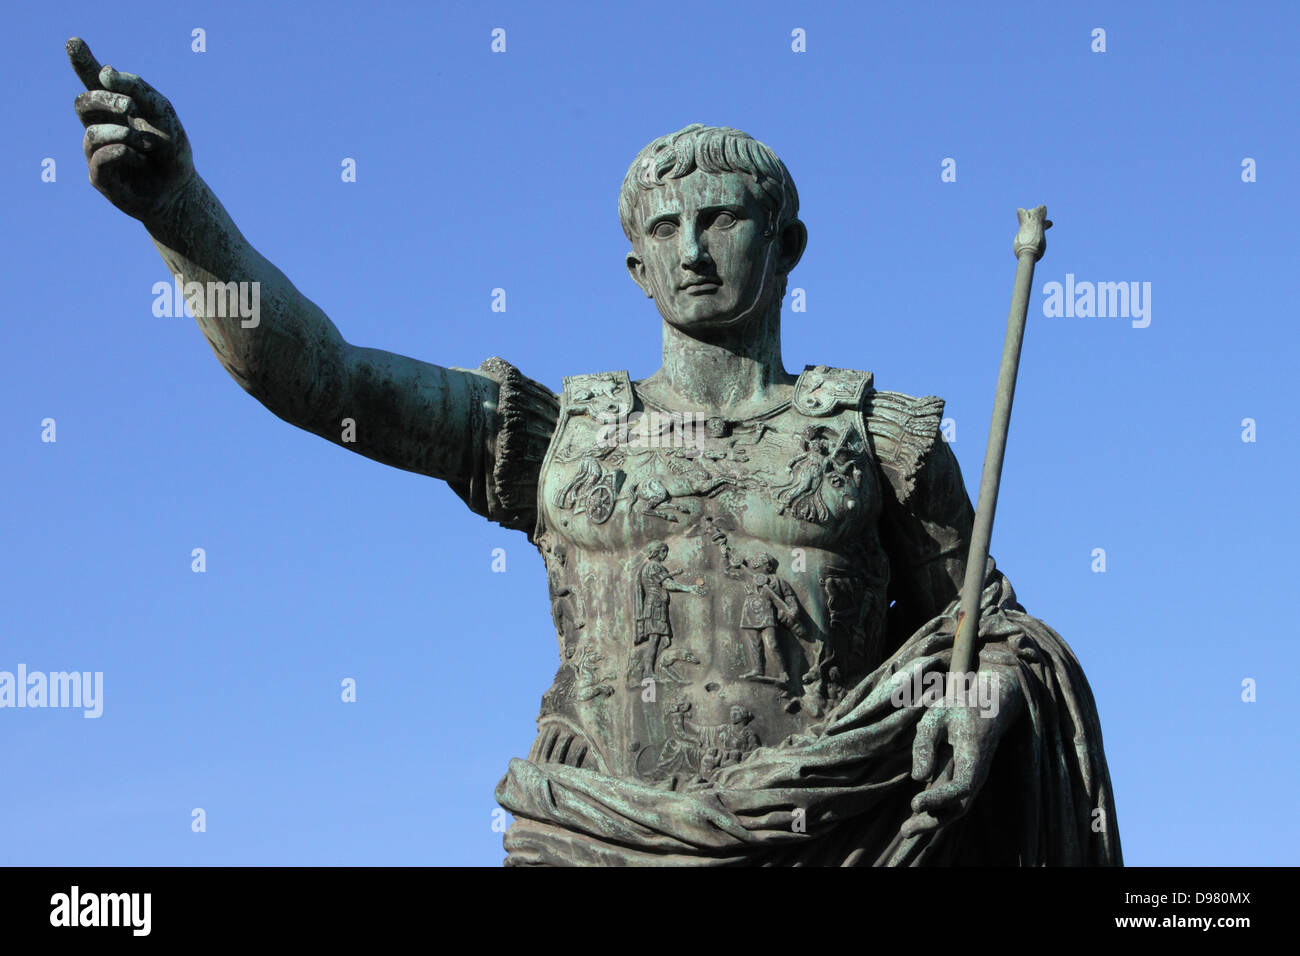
[{"x": 84, "y": 63}]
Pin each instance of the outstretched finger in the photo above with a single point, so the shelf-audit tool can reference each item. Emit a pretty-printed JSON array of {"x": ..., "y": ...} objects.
[
  {"x": 930, "y": 732},
  {"x": 84, "y": 63},
  {"x": 953, "y": 796},
  {"x": 936, "y": 799},
  {"x": 919, "y": 823},
  {"x": 970, "y": 767},
  {"x": 945, "y": 800}
]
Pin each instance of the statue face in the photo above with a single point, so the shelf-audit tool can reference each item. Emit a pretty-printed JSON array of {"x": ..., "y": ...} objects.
[{"x": 701, "y": 253}]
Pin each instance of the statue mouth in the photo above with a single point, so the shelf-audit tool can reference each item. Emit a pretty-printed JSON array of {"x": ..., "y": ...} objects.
[{"x": 701, "y": 286}]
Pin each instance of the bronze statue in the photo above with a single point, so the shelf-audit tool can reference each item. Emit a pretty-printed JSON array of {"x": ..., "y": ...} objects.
[{"x": 818, "y": 528}]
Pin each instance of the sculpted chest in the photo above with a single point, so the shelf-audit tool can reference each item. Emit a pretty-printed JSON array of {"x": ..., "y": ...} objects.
[
  {"x": 622, "y": 472},
  {"x": 715, "y": 584}
]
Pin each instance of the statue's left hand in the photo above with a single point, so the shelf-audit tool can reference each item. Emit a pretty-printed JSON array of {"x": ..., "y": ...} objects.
[{"x": 973, "y": 732}]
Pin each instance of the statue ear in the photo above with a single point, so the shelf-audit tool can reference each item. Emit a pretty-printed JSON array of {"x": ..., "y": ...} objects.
[
  {"x": 636, "y": 269},
  {"x": 792, "y": 242}
]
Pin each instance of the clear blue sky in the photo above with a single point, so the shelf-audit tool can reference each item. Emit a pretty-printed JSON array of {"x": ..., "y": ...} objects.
[{"x": 479, "y": 170}]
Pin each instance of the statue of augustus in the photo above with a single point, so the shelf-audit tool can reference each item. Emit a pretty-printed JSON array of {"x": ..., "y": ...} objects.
[{"x": 754, "y": 575}]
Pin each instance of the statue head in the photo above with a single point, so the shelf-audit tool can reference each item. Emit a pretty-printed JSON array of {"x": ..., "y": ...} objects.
[
  {"x": 713, "y": 218},
  {"x": 657, "y": 551}
]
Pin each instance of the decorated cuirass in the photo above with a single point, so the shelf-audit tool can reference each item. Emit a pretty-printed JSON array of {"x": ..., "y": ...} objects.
[{"x": 715, "y": 584}]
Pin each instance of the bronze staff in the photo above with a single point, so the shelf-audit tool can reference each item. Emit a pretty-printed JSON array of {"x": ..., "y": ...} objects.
[{"x": 1030, "y": 244}]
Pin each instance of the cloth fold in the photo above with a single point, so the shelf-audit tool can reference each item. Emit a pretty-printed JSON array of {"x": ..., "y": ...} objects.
[{"x": 839, "y": 793}]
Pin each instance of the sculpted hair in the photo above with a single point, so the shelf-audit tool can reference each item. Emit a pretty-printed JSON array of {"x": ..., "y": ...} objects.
[{"x": 713, "y": 149}]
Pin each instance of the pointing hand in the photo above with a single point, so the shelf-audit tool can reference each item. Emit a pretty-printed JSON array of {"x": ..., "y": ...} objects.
[{"x": 136, "y": 148}]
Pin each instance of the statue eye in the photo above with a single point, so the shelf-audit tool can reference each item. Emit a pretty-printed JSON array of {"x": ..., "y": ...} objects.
[
  {"x": 663, "y": 230},
  {"x": 724, "y": 220}
]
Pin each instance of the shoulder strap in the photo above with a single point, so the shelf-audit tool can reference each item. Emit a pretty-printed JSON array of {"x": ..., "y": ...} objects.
[
  {"x": 823, "y": 391},
  {"x": 601, "y": 395}
]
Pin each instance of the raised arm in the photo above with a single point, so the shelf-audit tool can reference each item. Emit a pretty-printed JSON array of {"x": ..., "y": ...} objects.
[{"x": 287, "y": 354}]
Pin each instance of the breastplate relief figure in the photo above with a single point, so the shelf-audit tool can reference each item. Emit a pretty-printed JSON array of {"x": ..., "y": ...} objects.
[
  {"x": 768, "y": 602},
  {"x": 653, "y": 631},
  {"x": 748, "y": 569}
]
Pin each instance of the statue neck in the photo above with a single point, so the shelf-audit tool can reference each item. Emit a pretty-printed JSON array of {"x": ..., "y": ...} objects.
[{"x": 732, "y": 376}]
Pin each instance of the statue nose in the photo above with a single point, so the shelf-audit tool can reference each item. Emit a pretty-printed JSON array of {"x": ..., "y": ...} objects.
[{"x": 693, "y": 251}]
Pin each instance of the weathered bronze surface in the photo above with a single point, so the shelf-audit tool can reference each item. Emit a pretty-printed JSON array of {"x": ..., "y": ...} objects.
[{"x": 752, "y": 574}]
